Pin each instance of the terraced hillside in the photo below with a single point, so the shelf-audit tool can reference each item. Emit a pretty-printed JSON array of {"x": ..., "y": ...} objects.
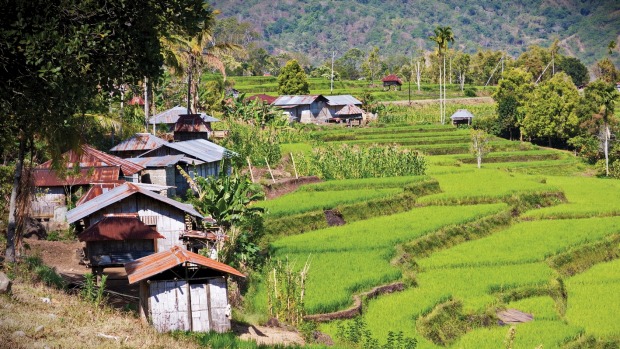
[{"x": 528, "y": 231}]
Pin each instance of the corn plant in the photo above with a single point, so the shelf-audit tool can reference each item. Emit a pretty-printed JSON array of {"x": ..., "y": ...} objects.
[{"x": 286, "y": 289}]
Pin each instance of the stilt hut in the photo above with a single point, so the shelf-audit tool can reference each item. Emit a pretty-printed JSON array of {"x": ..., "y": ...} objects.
[
  {"x": 182, "y": 290},
  {"x": 462, "y": 117}
]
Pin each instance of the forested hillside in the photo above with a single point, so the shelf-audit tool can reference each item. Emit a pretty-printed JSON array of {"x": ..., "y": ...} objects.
[{"x": 316, "y": 28}]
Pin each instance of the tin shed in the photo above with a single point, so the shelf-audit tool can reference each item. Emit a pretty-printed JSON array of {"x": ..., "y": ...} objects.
[{"x": 182, "y": 290}]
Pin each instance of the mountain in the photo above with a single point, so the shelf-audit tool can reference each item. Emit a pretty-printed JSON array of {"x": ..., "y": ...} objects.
[{"x": 316, "y": 28}]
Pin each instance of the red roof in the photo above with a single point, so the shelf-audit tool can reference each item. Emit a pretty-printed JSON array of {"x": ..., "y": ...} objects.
[
  {"x": 136, "y": 100},
  {"x": 191, "y": 123},
  {"x": 96, "y": 190},
  {"x": 392, "y": 78},
  {"x": 140, "y": 142},
  {"x": 90, "y": 157},
  {"x": 46, "y": 177},
  {"x": 157, "y": 263},
  {"x": 263, "y": 97},
  {"x": 119, "y": 228}
]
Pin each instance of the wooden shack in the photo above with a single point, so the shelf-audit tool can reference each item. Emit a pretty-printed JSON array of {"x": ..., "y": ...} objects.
[
  {"x": 168, "y": 217},
  {"x": 182, "y": 290},
  {"x": 116, "y": 240},
  {"x": 305, "y": 109},
  {"x": 392, "y": 80}
]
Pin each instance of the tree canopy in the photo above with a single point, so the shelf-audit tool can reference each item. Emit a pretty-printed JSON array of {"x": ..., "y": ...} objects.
[{"x": 292, "y": 80}]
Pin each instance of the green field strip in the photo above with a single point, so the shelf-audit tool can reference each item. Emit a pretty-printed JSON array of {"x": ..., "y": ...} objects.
[
  {"x": 524, "y": 242},
  {"x": 412, "y": 135},
  {"x": 549, "y": 334},
  {"x": 483, "y": 183},
  {"x": 351, "y": 248},
  {"x": 304, "y": 201},
  {"x": 398, "y": 311},
  {"x": 594, "y": 300},
  {"x": 409, "y": 142},
  {"x": 364, "y": 183},
  {"x": 586, "y": 197},
  {"x": 463, "y": 148}
]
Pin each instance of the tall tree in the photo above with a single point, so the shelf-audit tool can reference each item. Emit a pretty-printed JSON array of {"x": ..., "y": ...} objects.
[
  {"x": 606, "y": 71},
  {"x": 550, "y": 112},
  {"x": 372, "y": 65},
  {"x": 575, "y": 69},
  {"x": 442, "y": 37},
  {"x": 57, "y": 56},
  {"x": 292, "y": 80},
  {"x": 512, "y": 92}
]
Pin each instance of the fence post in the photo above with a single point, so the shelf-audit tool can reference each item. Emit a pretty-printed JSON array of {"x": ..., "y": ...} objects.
[
  {"x": 250, "y": 167},
  {"x": 269, "y": 168},
  {"x": 294, "y": 167}
]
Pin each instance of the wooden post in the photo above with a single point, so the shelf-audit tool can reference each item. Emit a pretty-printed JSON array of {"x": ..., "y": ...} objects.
[
  {"x": 294, "y": 167},
  {"x": 269, "y": 168},
  {"x": 143, "y": 304},
  {"x": 250, "y": 167}
]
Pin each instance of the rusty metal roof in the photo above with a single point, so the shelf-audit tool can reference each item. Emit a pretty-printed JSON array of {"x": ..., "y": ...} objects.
[
  {"x": 350, "y": 110},
  {"x": 99, "y": 188},
  {"x": 298, "y": 100},
  {"x": 139, "y": 141},
  {"x": 46, "y": 177},
  {"x": 119, "y": 228},
  {"x": 191, "y": 123},
  {"x": 392, "y": 78},
  {"x": 163, "y": 161},
  {"x": 171, "y": 116},
  {"x": 342, "y": 100},
  {"x": 157, "y": 263},
  {"x": 91, "y": 157},
  {"x": 263, "y": 97},
  {"x": 119, "y": 193}
]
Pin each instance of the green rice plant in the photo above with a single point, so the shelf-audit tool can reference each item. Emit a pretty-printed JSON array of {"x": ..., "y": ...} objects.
[
  {"x": 364, "y": 183},
  {"x": 303, "y": 201},
  {"x": 541, "y": 307},
  {"x": 524, "y": 243},
  {"x": 399, "y": 311},
  {"x": 474, "y": 183},
  {"x": 586, "y": 197},
  {"x": 593, "y": 299},
  {"x": 581, "y": 258},
  {"x": 530, "y": 335}
]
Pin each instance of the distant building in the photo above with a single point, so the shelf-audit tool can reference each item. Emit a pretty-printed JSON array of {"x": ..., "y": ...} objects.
[
  {"x": 191, "y": 126},
  {"x": 462, "y": 117},
  {"x": 345, "y": 109},
  {"x": 263, "y": 97},
  {"x": 392, "y": 80},
  {"x": 168, "y": 118},
  {"x": 319, "y": 109},
  {"x": 138, "y": 144}
]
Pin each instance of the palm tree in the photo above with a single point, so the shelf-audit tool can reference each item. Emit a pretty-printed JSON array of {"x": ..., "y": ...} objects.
[
  {"x": 443, "y": 36},
  {"x": 611, "y": 46},
  {"x": 192, "y": 56}
]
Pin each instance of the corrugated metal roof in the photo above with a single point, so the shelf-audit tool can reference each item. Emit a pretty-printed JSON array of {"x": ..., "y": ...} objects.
[
  {"x": 46, "y": 177},
  {"x": 190, "y": 123},
  {"x": 298, "y": 100},
  {"x": 159, "y": 161},
  {"x": 342, "y": 100},
  {"x": 119, "y": 193},
  {"x": 462, "y": 114},
  {"x": 157, "y": 263},
  {"x": 201, "y": 149},
  {"x": 99, "y": 188},
  {"x": 119, "y": 228},
  {"x": 263, "y": 97},
  {"x": 90, "y": 157},
  {"x": 139, "y": 141},
  {"x": 350, "y": 110},
  {"x": 171, "y": 116}
]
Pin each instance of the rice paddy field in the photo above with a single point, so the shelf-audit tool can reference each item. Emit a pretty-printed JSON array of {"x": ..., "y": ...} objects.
[{"x": 488, "y": 240}]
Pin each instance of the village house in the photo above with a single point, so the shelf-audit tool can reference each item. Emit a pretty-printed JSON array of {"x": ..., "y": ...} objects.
[
  {"x": 162, "y": 170},
  {"x": 54, "y": 191},
  {"x": 158, "y": 223},
  {"x": 200, "y": 158},
  {"x": 182, "y": 290},
  {"x": 319, "y": 109}
]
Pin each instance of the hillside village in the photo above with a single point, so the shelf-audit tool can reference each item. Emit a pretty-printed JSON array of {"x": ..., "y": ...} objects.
[{"x": 446, "y": 200}]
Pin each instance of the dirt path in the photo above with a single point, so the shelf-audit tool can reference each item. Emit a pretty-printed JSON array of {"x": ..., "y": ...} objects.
[
  {"x": 468, "y": 100},
  {"x": 62, "y": 256}
]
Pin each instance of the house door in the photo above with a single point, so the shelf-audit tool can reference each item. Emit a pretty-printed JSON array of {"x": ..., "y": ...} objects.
[
  {"x": 219, "y": 304},
  {"x": 200, "y": 308},
  {"x": 168, "y": 304}
]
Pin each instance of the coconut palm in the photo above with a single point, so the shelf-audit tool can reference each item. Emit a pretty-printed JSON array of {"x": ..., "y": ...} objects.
[
  {"x": 192, "y": 56},
  {"x": 438, "y": 39},
  {"x": 443, "y": 36}
]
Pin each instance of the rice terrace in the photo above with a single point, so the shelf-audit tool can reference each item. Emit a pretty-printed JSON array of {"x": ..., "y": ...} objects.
[{"x": 529, "y": 231}]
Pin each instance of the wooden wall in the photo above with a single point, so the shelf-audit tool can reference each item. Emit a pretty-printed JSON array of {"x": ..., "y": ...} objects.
[
  {"x": 179, "y": 305},
  {"x": 170, "y": 221}
]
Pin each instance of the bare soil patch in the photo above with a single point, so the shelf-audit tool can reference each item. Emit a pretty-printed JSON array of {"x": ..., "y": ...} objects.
[{"x": 287, "y": 185}]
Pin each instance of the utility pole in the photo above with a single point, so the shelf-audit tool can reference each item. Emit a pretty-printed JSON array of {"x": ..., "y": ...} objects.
[{"x": 331, "y": 88}]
